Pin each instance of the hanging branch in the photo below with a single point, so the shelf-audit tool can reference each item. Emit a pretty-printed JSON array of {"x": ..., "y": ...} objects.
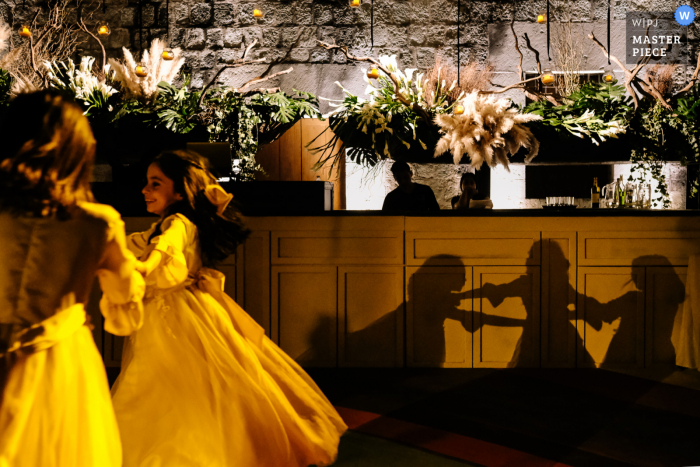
[
  {"x": 32, "y": 45},
  {"x": 693, "y": 79},
  {"x": 631, "y": 78},
  {"x": 519, "y": 85},
  {"x": 535, "y": 51},
  {"x": 397, "y": 86},
  {"x": 238, "y": 63},
  {"x": 263, "y": 76},
  {"x": 81, "y": 25},
  {"x": 537, "y": 95},
  {"x": 261, "y": 79},
  {"x": 517, "y": 48},
  {"x": 521, "y": 76}
]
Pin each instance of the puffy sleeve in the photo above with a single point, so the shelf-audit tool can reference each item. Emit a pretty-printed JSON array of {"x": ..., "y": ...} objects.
[
  {"x": 137, "y": 242},
  {"x": 172, "y": 241},
  {"x": 122, "y": 286}
]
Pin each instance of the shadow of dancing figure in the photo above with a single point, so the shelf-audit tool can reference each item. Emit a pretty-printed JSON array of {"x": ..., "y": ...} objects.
[
  {"x": 626, "y": 321},
  {"x": 613, "y": 326},
  {"x": 440, "y": 314}
]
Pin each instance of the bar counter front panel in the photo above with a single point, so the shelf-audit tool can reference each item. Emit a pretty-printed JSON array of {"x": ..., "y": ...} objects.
[{"x": 495, "y": 289}]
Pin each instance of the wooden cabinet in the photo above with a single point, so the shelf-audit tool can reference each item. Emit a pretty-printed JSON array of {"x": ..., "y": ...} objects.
[
  {"x": 507, "y": 316},
  {"x": 610, "y": 316},
  {"x": 371, "y": 316},
  {"x": 665, "y": 291},
  {"x": 439, "y": 316},
  {"x": 305, "y": 313},
  {"x": 462, "y": 291}
]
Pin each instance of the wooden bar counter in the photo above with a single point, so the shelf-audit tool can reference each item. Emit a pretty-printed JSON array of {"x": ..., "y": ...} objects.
[{"x": 530, "y": 288}]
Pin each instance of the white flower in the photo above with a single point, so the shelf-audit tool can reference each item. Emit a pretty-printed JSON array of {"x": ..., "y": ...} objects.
[
  {"x": 389, "y": 62},
  {"x": 82, "y": 82},
  {"x": 5, "y": 34}
]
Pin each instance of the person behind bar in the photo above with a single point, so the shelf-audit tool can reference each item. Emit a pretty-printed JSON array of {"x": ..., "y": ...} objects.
[
  {"x": 55, "y": 408},
  {"x": 409, "y": 196},
  {"x": 470, "y": 197}
]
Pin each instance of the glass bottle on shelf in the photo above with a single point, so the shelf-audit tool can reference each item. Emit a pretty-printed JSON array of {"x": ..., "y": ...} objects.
[
  {"x": 595, "y": 194},
  {"x": 620, "y": 193}
]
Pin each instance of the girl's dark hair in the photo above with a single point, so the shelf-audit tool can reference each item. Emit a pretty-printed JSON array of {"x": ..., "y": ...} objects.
[
  {"x": 219, "y": 235},
  {"x": 47, "y": 156}
]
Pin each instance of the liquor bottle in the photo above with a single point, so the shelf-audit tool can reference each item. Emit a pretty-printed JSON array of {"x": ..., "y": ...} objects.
[
  {"x": 595, "y": 194},
  {"x": 621, "y": 192}
]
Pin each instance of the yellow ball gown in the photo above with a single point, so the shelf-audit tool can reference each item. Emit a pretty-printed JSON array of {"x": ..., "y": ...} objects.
[
  {"x": 201, "y": 384},
  {"x": 56, "y": 409}
]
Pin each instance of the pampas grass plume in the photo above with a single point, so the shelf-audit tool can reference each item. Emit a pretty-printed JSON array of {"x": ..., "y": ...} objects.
[
  {"x": 158, "y": 70},
  {"x": 488, "y": 132}
]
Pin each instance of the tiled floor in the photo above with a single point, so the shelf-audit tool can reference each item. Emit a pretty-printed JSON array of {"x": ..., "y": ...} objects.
[{"x": 537, "y": 417}]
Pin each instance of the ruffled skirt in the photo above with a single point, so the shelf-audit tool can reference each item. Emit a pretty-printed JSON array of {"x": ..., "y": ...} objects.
[
  {"x": 195, "y": 391},
  {"x": 56, "y": 409}
]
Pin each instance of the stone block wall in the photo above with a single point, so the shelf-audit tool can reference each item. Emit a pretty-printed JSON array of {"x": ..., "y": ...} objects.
[{"x": 214, "y": 33}]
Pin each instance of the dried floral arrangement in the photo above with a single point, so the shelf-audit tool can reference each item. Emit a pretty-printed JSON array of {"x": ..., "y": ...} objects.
[
  {"x": 488, "y": 131},
  {"x": 123, "y": 95},
  {"x": 408, "y": 114},
  {"x": 159, "y": 71}
]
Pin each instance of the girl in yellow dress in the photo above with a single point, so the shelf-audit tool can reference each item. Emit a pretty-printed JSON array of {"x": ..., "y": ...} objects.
[
  {"x": 55, "y": 409},
  {"x": 201, "y": 384}
]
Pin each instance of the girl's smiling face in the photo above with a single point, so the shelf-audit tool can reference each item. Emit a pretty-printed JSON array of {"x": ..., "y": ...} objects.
[{"x": 159, "y": 192}]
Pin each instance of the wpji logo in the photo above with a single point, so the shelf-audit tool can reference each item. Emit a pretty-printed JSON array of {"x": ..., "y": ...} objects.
[{"x": 685, "y": 15}]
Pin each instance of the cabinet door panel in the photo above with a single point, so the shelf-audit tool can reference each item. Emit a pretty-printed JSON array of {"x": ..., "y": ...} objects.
[
  {"x": 610, "y": 317},
  {"x": 371, "y": 316},
  {"x": 664, "y": 300},
  {"x": 253, "y": 287},
  {"x": 438, "y": 316},
  {"x": 304, "y": 313},
  {"x": 506, "y": 322},
  {"x": 559, "y": 299}
]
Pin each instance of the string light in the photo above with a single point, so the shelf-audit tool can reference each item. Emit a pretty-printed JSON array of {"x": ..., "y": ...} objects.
[
  {"x": 355, "y": 3},
  {"x": 373, "y": 73},
  {"x": 103, "y": 30},
  {"x": 459, "y": 109},
  {"x": 258, "y": 12},
  {"x": 141, "y": 70},
  {"x": 542, "y": 17},
  {"x": 547, "y": 77},
  {"x": 24, "y": 31},
  {"x": 168, "y": 54},
  {"x": 608, "y": 75}
]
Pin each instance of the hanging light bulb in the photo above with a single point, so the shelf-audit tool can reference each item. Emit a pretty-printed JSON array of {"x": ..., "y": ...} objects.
[
  {"x": 103, "y": 30},
  {"x": 258, "y": 11},
  {"x": 608, "y": 75},
  {"x": 168, "y": 54},
  {"x": 459, "y": 109},
  {"x": 373, "y": 73},
  {"x": 24, "y": 31},
  {"x": 547, "y": 77},
  {"x": 141, "y": 70},
  {"x": 542, "y": 17},
  {"x": 355, "y": 3}
]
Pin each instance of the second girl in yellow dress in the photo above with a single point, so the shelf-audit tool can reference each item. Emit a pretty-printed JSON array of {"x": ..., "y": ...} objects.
[{"x": 201, "y": 384}]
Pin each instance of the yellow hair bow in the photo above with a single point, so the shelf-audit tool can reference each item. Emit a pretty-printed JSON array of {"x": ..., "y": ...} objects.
[{"x": 218, "y": 197}]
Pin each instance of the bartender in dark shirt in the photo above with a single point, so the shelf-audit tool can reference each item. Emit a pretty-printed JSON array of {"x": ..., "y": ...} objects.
[{"x": 409, "y": 196}]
